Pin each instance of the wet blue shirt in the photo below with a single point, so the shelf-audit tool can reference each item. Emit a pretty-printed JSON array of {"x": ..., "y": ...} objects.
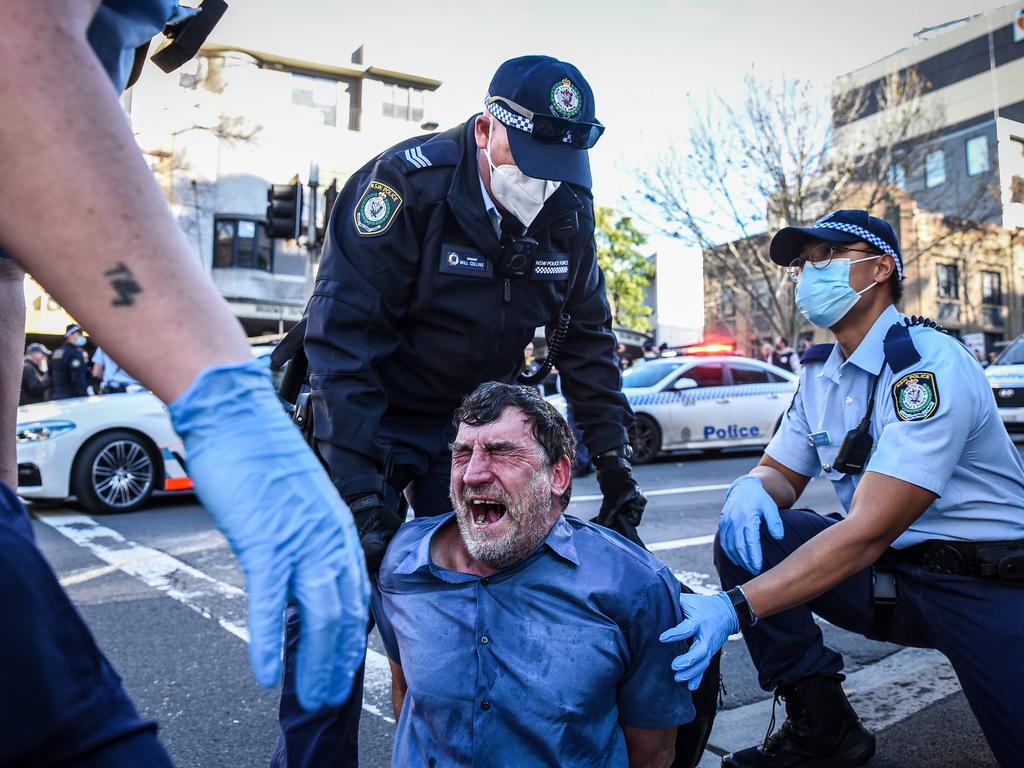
[
  {"x": 539, "y": 664},
  {"x": 935, "y": 425}
]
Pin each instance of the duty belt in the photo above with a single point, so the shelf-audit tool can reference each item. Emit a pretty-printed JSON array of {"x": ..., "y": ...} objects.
[{"x": 997, "y": 560}]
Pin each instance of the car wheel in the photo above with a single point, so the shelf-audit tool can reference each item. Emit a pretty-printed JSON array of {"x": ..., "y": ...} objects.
[
  {"x": 115, "y": 472},
  {"x": 645, "y": 437}
]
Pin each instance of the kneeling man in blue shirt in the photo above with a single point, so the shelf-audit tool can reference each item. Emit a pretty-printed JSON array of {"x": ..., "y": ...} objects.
[{"x": 518, "y": 635}]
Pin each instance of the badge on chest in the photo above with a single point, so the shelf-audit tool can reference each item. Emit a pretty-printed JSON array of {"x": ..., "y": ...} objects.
[{"x": 460, "y": 260}]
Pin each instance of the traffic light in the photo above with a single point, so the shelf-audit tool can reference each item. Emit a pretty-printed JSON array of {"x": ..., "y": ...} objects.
[
  {"x": 330, "y": 195},
  {"x": 284, "y": 209}
]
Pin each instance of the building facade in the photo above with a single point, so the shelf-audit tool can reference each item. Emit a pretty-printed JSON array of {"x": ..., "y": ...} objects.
[
  {"x": 234, "y": 120},
  {"x": 956, "y": 186}
]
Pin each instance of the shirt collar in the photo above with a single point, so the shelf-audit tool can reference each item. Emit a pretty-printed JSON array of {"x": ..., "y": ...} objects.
[
  {"x": 869, "y": 355},
  {"x": 492, "y": 210},
  {"x": 559, "y": 540}
]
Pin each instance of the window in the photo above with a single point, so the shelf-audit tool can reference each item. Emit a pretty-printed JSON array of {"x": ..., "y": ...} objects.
[
  {"x": 728, "y": 306},
  {"x": 748, "y": 374},
  {"x": 707, "y": 375},
  {"x": 991, "y": 288},
  {"x": 319, "y": 93},
  {"x": 403, "y": 103},
  {"x": 242, "y": 243},
  {"x": 934, "y": 168},
  {"x": 977, "y": 155},
  {"x": 897, "y": 175},
  {"x": 948, "y": 281},
  {"x": 647, "y": 374}
]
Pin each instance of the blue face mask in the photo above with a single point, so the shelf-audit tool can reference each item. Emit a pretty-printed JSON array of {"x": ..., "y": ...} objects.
[
  {"x": 824, "y": 296},
  {"x": 81, "y": 341}
]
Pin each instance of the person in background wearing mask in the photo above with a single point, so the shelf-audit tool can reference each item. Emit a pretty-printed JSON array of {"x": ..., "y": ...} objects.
[
  {"x": 68, "y": 367},
  {"x": 443, "y": 255},
  {"x": 35, "y": 380},
  {"x": 931, "y": 553},
  {"x": 784, "y": 356}
]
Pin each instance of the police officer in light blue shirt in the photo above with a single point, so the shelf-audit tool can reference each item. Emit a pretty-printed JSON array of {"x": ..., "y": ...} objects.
[{"x": 900, "y": 418}]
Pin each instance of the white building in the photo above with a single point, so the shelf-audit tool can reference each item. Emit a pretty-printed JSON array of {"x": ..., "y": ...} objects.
[{"x": 235, "y": 120}]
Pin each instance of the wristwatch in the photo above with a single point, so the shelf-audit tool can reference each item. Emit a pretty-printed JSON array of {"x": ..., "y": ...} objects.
[
  {"x": 624, "y": 451},
  {"x": 744, "y": 612}
]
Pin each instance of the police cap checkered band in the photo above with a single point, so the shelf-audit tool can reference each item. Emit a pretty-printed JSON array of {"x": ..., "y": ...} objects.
[
  {"x": 843, "y": 227},
  {"x": 513, "y": 120},
  {"x": 867, "y": 237}
]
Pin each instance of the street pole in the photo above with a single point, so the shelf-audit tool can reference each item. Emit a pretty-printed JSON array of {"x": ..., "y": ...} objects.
[{"x": 314, "y": 182}]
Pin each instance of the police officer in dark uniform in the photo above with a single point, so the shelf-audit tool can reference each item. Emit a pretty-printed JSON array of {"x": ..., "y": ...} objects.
[
  {"x": 443, "y": 256},
  {"x": 68, "y": 368},
  {"x": 900, "y": 418}
]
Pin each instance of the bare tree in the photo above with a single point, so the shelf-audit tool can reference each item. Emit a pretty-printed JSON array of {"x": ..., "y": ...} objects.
[{"x": 783, "y": 157}]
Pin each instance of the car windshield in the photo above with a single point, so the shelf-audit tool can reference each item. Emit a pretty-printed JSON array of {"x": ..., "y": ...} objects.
[
  {"x": 1013, "y": 354},
  {"x": 647, "y": 374}
]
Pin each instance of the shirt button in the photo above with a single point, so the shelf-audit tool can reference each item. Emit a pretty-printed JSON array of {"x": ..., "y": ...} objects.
[
  {"x": 485, "y": 581},
  {"x": 827, "y": 467},
  {"x": 485, "y": 706},
  {"x": 485, "y": 640},
  {"x": 849, "y": 400}
]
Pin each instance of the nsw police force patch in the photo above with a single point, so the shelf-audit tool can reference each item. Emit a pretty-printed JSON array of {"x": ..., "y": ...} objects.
[
  {"x": 376, "y": 209},
  {"x": 916, "y": 396}
]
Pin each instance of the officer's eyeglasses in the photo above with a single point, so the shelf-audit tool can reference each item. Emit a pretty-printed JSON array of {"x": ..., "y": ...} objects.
[
  {"x": 820, "y": 256},
  {"x": 549, "y": 129}
]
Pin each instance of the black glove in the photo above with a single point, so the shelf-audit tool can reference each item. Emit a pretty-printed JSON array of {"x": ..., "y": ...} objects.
[
  {"x": 623, "y": 504},
  {"x": 376, "y": 524}
]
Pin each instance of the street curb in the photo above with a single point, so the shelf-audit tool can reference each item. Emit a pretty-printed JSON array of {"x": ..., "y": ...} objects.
[{"x": 883, "y": 694}]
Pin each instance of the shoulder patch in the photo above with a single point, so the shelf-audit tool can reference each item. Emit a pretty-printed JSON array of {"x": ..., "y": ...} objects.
[
  {"x": 916, "y": 396},
  {"x": 376, "y": 210}
]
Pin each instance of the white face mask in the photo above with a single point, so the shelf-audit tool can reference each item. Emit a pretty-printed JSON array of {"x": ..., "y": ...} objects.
[{"x": 521, "y": 195}]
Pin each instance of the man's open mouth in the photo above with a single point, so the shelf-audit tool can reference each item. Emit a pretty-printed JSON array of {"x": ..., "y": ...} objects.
[{"x": 485, "y": 511}]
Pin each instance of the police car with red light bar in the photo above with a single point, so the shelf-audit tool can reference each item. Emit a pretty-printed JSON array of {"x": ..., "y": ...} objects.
[{"x": 703, "y": 401}]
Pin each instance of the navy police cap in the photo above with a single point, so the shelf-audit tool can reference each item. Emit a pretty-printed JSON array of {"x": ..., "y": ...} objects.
[
  {"x": 545, "y": 86},
  {"x": 848, "y": 226}
]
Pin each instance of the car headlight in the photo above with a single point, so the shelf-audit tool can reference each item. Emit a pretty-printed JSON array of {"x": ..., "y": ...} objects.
[{"x": 37, "y": 431}]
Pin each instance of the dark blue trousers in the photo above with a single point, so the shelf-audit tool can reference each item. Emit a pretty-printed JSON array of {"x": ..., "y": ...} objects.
[
  {"x": 977, "y": 624},
  {"x": 421, "y": 470},
  {"x": 61, "y": 703}
]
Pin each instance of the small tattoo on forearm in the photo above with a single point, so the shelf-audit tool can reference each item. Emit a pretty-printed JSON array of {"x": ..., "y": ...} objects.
[{"x": 124, "y": 284}]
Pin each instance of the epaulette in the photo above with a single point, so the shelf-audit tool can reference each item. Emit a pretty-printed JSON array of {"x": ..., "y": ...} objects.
[
  {"x": 816, "y": 353},
  {"x": 898, "y": 347},
  {"x": 428, "y": 154}
]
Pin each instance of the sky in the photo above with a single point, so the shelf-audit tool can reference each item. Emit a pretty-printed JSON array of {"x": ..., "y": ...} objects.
[{"x": 648, "y": 61}]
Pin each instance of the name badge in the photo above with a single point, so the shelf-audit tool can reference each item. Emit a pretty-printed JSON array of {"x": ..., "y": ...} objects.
[
  {"x": 818, "y": 439},
  {"x": 459, "y": 260}
]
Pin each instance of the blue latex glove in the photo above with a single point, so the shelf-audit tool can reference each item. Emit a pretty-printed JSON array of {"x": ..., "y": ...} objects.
[
  {"x": 739, "y": 526},
  {"x": 293, "y": 535},
  {"x": 709, "y": 620}
]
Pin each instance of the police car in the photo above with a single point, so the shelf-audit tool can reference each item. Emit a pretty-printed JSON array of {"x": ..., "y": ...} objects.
[
  {"x": 1006, "y": 375},
  {"x": 704, "y": 402},
  {"x": 112, "y": 451}
]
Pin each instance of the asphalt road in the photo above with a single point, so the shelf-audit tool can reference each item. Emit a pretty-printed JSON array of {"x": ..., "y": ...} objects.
[{"x": 162, "y": 593}]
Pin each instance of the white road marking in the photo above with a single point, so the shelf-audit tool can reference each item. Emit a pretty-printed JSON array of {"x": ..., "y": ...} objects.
[
  {"x": 693, "y": 541},
  {"x": 883, "y": 693},
  {"x": 207, "y": 596},
  {"x": 661, "y": 492}
]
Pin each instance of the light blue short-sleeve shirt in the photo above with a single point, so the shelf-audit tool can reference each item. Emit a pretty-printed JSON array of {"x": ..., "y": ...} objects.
[{"x": 935, "y": 425}]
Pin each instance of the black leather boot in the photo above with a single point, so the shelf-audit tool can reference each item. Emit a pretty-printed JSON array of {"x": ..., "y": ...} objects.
[{"x": 821, "y": 730}]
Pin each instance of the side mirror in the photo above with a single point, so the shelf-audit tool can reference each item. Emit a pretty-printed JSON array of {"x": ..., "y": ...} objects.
[{"x": 685, "y": 383}]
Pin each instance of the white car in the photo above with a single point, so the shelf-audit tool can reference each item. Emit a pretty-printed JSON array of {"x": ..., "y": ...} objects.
[
  {"x": 1006, "y": 375},
  {"x": 703, "y": 402},
  {"x": 111, "y": 451}
]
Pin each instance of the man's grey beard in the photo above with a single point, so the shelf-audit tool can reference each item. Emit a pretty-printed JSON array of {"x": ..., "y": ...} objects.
[{"x": 528, "y": 524}]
